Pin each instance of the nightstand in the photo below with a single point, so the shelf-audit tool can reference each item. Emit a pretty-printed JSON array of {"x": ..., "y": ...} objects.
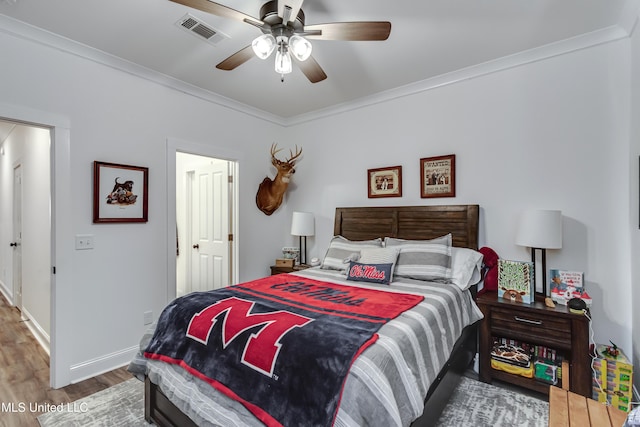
[
  {"x": 278, "y": 270},
  {"x": 556, "y": 328}
]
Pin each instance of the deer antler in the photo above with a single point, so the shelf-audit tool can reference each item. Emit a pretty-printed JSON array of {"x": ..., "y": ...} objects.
[
  {"x": 293, "y": 157},
  {"x": 274, "y": 151}
]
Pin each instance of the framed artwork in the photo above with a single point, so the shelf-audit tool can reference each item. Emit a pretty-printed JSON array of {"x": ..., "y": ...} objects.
[
  {"x": 120, "y": 193},
  {"x": 438, "y": 176},
  {"x": 385, "y": 182}
]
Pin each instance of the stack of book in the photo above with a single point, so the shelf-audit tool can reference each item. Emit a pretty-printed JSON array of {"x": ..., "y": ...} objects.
[
  {"x": 547, "y": 364},
  {"x": 527, "y": 360}
]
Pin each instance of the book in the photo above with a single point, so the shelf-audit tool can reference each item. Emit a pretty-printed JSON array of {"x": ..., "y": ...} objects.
[
  {"x": 512, "y": 352},
  {"x": 515, "y": 281},
  {"x": 566, "y": 285}
]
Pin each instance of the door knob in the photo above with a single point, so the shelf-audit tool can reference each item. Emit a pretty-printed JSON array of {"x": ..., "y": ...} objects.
[
  {"x": 14, "y": 244},
  {"x": 196, "y": 246}
]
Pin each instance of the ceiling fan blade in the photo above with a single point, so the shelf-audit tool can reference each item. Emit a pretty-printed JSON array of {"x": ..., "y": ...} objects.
[
  {"x": 220, "y": 10},
  {"x": 293, "y": 6},
  {"x": 356, "y": 31},
  {"x": 237, "y": 59},
  {"x": 311, "y": 69}
]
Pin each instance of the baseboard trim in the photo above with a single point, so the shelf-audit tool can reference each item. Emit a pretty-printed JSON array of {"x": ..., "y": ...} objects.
[
  {"x": 100, "y": 365},
  {"x": 36, "y": 330},
  {"x": 6, "y": 292}
]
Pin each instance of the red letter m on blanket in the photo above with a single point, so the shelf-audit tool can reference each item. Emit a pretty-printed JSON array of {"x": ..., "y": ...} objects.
[{"x": 261, "y": 351}]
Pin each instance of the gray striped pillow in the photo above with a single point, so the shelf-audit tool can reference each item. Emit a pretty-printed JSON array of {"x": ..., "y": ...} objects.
[
  {"x": 423, "y": 259},
  {"x": 341, "y": 249}
]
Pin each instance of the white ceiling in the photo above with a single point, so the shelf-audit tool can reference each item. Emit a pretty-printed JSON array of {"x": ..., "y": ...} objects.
[{"x": 428, "y": 39}]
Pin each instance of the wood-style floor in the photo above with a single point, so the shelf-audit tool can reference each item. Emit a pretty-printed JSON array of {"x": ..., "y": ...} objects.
[{"x": 24, "y": 374}]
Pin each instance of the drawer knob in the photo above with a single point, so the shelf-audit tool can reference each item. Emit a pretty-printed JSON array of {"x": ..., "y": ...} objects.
[{"x": 532, "y": 322}]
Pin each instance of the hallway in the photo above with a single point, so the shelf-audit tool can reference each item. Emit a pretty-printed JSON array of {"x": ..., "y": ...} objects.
[{"x": 24, "y": 374}]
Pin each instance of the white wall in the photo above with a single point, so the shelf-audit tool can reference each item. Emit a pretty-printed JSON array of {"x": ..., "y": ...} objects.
[
  {"x": 551, "y": 134},
  {"x": 114, "y": 116}
]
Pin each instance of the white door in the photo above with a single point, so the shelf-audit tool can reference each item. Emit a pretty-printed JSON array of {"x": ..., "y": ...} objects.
[
  {"x": 17, "y": 236},
  {"x": 209, "y": 244}
]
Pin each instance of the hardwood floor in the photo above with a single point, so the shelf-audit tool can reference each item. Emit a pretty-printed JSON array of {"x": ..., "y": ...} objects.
[{"x": 24, "y": 374}]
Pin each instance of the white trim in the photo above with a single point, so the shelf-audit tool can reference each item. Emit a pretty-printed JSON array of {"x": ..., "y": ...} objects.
[
  {"x": 38, "y": 35},
  {"x": 36, "y": 330},
  {"x": 595, "y": 38},
  {"x": 100, "y": 365},
  {"x": 609, "y": 34},
  {"x": 5, "y": 291},
  {"x": 61, "y": 333}
]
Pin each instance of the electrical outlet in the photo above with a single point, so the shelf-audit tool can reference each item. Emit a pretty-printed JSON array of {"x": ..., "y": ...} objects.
[
  {"x": 84, "y": 241},
  {"x": 148, "y": 317}
]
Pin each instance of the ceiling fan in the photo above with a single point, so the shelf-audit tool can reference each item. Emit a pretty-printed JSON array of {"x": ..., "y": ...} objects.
[{"x": 282, "y": 23}]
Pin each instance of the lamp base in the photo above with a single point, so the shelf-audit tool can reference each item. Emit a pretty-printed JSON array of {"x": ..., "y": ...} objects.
[{"x": 540, "y": 296}]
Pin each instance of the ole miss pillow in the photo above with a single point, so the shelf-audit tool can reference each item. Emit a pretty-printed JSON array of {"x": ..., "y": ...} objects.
[{"x": 374, "y": 273}]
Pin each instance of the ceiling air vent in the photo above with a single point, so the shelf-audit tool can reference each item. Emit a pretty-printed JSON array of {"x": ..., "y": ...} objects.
[{"x": 198, "y": 28}]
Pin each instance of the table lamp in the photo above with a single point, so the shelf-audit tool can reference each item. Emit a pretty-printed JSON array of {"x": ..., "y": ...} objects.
[
  {"x": 540, "y": 230},
  {"x": 303, "y": 225}
]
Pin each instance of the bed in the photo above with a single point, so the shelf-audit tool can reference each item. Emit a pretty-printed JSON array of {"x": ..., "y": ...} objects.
[{"x": 171, "y": 393}]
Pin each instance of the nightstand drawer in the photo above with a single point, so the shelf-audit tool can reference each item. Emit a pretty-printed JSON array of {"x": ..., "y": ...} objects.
[{"x": 529, "y": 323}]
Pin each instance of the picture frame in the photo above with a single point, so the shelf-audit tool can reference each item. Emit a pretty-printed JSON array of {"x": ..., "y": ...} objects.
[
  {"x": 120, "y": 193},
  {"x": 384, "y": 182},
  {"x": 438, "y": 176}
]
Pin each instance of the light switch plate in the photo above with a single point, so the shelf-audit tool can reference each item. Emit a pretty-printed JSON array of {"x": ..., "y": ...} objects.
[{"x": 84, "y": 241}]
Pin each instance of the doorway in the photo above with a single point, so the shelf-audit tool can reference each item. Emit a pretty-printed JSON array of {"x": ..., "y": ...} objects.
[
  {"x": 25, "y": 194},
  {"x": 205, "y": 200}
]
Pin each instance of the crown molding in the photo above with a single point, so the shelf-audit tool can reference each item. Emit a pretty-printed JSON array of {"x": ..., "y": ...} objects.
[
  {"x": 606, "y": 35},
  {"x": 43, "y": 37},
  {"x": 584, "y": 41}
]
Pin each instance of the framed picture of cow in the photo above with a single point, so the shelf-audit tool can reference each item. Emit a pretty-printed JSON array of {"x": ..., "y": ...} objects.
[
  {"x": 438, "y": 176},
  {"x": 120, "y": 193}
]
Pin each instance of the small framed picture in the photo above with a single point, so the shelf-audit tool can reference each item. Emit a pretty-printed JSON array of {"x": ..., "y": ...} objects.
[
  {"x": 120, "y": 193},
  {"x": 438, "y": 176},
  {"x": 385, "y": 182}
]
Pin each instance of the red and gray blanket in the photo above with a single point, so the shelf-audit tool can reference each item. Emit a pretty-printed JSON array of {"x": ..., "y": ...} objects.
[{"x": 281, "y": 345}]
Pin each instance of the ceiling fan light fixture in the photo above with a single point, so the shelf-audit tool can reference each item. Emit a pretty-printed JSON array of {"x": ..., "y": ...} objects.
[
  {"x": 300, "y": 47},
  {"x": 283, "y": 61},
  {"x": 264, "y": 45}
]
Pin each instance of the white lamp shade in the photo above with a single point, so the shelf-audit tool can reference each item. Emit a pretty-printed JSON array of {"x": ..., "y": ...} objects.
[
  {"x": 540, "y": 229},
  {"x": 300, "y": 47},
  {"x": 283, "y": 62},
  {"x": 264, "y": 45},
  {"x": 303, "y": 224}
]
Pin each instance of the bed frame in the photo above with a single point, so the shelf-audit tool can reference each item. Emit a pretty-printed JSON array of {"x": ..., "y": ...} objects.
[{"x": 364, "y": 223}]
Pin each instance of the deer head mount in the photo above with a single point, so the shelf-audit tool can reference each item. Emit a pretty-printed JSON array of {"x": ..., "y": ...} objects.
[{"x": 271, "y": 191}]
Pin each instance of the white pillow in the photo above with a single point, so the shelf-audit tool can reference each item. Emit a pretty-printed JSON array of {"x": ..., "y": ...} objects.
[
  {"x": 342, "y": 250},
  {"x": 466, "y": 267}
]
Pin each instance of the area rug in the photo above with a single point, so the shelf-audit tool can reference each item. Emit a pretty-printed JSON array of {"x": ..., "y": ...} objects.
[
  {"x": 119, "y": 406},
  {"x": 484, "y": 405},
  {"x": 472, "y": 404}
]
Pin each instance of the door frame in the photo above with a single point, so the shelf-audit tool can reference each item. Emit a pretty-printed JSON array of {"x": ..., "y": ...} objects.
[
  {"x": 17, "y": 292},
  {"x": 62, "y": 241},
  {"x": 174, "y": 146}
]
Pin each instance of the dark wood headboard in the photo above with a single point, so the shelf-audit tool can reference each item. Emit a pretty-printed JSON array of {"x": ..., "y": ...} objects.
[{"x": 410, "y": 222}]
